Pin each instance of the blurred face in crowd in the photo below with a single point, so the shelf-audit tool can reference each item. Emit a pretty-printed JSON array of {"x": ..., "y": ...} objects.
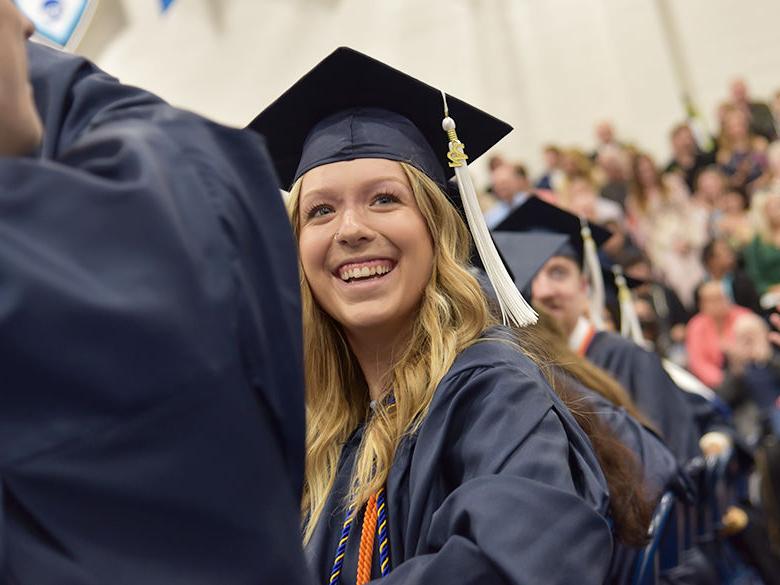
[
  {"x": 646, "y": 173},
  {"x": 683, "y": 141},
  {"x": 735, "y": 124},
  {"x": 772, "y": 209},
  {"x": 561, "y": 289},
  {"x": 640, "y": 271},
  {"x": 605, "y": 133},
  {"x": 610, "y": 159},
  {"x": 750, "y": 335},
  {"x": 722, "y": 260},
  {"x": 506, "y": 182},
  {"x": 713, "y": 301},
  {"x": 20, "y": 125},
  {"x": 365, "y": 247},
  {"x": 582, "y": 197},
  {"x": 739, "y": 91},
  {"x": 613, "y": 246},
  {"x": 552, "y": 158},
  {"x": 773, "y": 159},
  {"x": 732, "y": 203},
  {"x": 710, "y": 184}
]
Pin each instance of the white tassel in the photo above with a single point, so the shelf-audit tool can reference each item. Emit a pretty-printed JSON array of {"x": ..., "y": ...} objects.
[
  {"x": 629, "y": 321},
  {"x": 514, "y": 307},
  {"x": 594, "y": 276}
]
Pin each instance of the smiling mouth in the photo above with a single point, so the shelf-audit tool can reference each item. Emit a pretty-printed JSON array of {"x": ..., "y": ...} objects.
[{"x": 362, "y": 271}]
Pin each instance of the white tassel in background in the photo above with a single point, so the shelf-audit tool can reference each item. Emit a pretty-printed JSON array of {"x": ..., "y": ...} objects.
[
  {"x": 594, "y": 276},
  {"x": 629, "y": 320},
  {"x": 514, "y": 308}
]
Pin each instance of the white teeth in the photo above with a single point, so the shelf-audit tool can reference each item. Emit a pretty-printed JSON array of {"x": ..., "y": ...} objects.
[{"x": 363, "y": 272}]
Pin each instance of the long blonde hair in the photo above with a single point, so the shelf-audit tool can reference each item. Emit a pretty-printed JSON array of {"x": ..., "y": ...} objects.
[{"x": 452, "y": 315}]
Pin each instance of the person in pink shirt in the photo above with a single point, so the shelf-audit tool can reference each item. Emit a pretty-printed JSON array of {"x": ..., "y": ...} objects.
[{"x": 710, "y": 331}]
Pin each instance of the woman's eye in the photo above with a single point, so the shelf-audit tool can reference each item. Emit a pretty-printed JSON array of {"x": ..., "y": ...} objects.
[
  {"x": 319, "y": 211},
  {"x": 385, "y": 198}
]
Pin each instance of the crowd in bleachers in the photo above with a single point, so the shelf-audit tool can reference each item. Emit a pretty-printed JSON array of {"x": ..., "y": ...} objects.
[{"x": 701, "y": 231}]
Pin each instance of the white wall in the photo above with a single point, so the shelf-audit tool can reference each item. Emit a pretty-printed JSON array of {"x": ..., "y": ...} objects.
[{"x": 551, "y": 68}]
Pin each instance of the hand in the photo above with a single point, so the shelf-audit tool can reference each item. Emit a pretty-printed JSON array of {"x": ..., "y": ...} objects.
[
  {"x": 714, "y": 443},
  {"x": 774, "y": 336},
  {"x": 677, "y": 333},
  {"x": 20, "y": 125}
]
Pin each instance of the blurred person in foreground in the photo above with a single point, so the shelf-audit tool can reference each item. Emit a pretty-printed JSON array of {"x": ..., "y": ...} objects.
[{"x": 151, "y": 429}]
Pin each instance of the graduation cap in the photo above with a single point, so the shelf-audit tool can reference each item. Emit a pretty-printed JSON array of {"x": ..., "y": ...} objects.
[
  {"x": 525, "y": 253},
  {"x": 351, "y": 106},
  {"x": 536, "y": 215}
]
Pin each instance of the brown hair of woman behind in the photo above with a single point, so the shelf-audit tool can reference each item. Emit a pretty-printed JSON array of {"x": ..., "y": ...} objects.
[{"x": 630, "y": 504}]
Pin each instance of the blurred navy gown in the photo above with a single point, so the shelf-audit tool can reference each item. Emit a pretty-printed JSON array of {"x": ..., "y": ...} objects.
[
  {"x": 151, "y": 419},
  {"x": 498, "y": 486}
]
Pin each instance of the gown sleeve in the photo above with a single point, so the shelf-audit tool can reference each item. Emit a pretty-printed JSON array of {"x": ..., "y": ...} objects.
[
  {"x": 527, "y": 505},
  {"x": 149, "y": 343}
]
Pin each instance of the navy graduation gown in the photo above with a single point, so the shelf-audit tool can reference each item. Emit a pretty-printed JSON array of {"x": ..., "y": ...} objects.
[
  {"x": 499, "y": 485},
  {"x": 641, "y": 373},
  {"x": 151, "y": 419},
  {"x": 660, "y": 469}
]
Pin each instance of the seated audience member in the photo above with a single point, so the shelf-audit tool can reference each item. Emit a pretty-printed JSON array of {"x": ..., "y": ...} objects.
[
  {"x": 575, "y": 162},
  {"x": 510, "y": 187},
  {"x": 770, "y": 180},
  {"x": 751, "y": 384},
  {"x": 687, "y": 159},
  {"x": 775, "y": 107},
  {"x": 741, "y": 153},
  {"x": 709, "y": 331},
  {"x": 704, "y": 210},
  {"x": 759, "y": 115},
  {"x": 659, "y": 221},
  {"x": 605, "y": 138},
  {"x": 733, "y": 223},
  {"x": 762, "y": 255},
  {"x": 582, "y": 198},
  {"x": 553, "y": 176},
  {"x": 661, "y": 314},
  {"x": 620, "y": 243},
  {"x": 720, "y": 262},
  {"x": 615, "y": 167}
]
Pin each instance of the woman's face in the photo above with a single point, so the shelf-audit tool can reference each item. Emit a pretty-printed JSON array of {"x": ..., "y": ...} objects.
[
  {"x": 646, "y": 173},
  {"x": 735, "y": 124},
  {"x": 365, "y": 247},
  {"x": 772, "y": 209}
]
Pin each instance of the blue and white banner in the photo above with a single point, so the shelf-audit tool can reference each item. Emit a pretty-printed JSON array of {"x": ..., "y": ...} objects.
[
  {"x": 165, "y": 4},
  {"x": 58, "y": 21}
]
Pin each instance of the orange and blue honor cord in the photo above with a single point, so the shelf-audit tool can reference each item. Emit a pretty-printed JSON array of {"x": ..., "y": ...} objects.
[{"x": 373, "y": 520}]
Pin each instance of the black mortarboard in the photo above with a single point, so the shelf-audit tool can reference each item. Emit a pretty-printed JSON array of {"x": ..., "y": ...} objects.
[
  {"x": 352, "y": 106},
  {"x": 536, "y": 215},
  {"x": 526, "y": 253}
]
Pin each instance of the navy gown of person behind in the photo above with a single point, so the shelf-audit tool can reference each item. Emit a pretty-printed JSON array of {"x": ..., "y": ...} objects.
[
  {"x": 657, "y": 396},
  {"x": 151, "y": 419},
  {"x": 498, "y": 486}
]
